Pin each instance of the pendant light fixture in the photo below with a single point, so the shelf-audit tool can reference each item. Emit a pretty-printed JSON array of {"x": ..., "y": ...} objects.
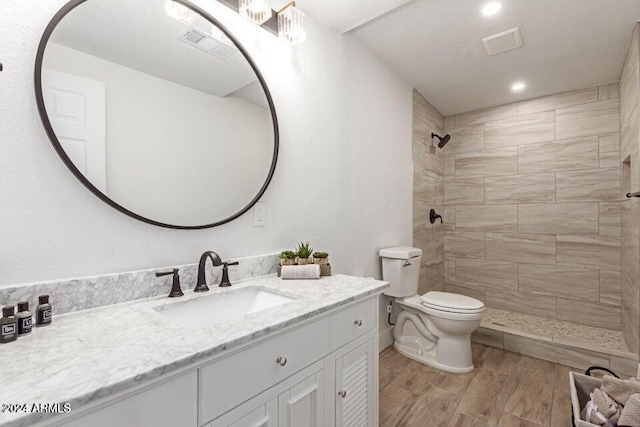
[
  {"x": 292, "y": 24},
  {"x": 257, "y": 11}
]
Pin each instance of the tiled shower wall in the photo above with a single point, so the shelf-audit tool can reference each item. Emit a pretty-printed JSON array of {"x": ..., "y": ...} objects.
[
  {"x": 630, "y": 141},
  {"x": 532, "y": 206},
  {"x": 428, "y": 193}
]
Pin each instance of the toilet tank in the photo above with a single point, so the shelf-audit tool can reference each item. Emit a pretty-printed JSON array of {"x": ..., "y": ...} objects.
[{"x": 401, "y": 268}]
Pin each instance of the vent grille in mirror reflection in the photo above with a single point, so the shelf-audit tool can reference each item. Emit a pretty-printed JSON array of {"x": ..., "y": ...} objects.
[{"x": 205, "y": 43}]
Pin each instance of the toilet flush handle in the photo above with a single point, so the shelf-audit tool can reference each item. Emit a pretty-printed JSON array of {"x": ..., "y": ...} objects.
[{"x": 406, "y": 264}]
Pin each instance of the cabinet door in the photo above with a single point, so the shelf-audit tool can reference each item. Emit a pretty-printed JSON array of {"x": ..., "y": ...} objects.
[
  {"x": 355, "y": 387},
  {"x": 264, "y": 415},
  {"x": 303, "y": 404}
]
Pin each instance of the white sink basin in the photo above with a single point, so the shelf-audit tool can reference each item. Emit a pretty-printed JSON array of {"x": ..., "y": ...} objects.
[{"x": 223, "y": 307}]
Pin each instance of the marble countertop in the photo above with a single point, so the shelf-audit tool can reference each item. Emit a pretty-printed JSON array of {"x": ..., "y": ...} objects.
[{"x": 86, "y": 355}]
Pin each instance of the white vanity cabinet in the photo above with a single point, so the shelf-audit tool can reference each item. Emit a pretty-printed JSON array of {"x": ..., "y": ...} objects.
[
  {"x": 324, "y": 374},
  {"x": 321, "y": 373}
]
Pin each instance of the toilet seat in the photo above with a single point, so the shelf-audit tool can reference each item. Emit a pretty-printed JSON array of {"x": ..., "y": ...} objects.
[
  {"x": 415, "y": 302},
  {"x": 451, "y": 303}
]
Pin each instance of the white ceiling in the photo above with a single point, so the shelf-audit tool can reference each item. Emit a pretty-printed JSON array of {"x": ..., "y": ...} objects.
[
  {"x": 346, "y": 15},
  {"x": 435, "y": 45}
]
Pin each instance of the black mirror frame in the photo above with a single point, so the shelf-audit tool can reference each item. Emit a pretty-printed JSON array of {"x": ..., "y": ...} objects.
[{"x": 67, "y": 161}]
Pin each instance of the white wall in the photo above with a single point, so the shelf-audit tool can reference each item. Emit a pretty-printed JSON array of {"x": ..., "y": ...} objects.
[
  {"x": 167, "y": 144},
  {"x": 343, "y": 180}
]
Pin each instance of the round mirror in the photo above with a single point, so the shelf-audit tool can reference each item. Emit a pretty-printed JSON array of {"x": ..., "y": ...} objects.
[{"x": 157, "y": 109}]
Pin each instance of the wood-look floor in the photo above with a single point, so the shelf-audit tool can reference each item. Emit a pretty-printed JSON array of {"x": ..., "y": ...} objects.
[{"x": 505, "y": 390}]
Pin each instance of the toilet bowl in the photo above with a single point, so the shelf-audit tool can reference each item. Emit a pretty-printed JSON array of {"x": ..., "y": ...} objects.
[{"x": 434, "y": 328}]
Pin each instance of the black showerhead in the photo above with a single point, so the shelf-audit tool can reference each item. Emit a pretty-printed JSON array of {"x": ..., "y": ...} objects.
[{"x": 443, "y": 140}]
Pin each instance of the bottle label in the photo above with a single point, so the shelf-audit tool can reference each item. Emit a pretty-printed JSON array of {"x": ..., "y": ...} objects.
[
  {"x": 24, "y": 325},
  {"x": 44, "y": 317},
  {"x": 8, "y": 332}
]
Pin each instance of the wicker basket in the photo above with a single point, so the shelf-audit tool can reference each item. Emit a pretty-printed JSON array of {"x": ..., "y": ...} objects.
[{"x": 581, "y": 387}]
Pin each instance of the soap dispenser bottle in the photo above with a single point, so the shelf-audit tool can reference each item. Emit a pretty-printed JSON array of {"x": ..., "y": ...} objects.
[
  {"x": 8, "y": 326},
  {"x": 43, "y": 311},
  {"x": 24, "y": 318}
]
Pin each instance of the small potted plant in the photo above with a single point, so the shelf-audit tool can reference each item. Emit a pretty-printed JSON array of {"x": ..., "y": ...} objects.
[
  {"x": 287, "y": 258},
  {"x": 304, "y": 252},
  {"x": 321, "y": 258}
]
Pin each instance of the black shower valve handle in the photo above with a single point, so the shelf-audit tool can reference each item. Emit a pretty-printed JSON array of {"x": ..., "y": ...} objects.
[{"x": 433, "y": 216}]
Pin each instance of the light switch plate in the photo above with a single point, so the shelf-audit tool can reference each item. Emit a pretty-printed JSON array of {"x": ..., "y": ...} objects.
[{"x": 259, "y": 215}]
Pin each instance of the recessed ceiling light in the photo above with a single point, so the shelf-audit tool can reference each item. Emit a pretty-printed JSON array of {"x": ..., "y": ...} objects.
[
  {"x": 518, "y": 86},
  {"x": 491, "y": 8}
]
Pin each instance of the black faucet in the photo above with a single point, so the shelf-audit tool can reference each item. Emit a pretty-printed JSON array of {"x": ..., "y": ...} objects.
[
  {"x": 201, "y": 284},
  {"x": 224, "y": 282},
  {"x": 175, "y": 288}
]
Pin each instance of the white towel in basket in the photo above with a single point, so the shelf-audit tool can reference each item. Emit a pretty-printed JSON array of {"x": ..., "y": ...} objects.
[
  {"x": 600, "y": 409},
  {"x": 311, "y": 271}
]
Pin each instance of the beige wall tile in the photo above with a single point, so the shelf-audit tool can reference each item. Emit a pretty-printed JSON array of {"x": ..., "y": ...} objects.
[
  {"x": 488, "y": 337},
  {"x": 497, "y": 218},
  {"x": 629, "y": 78},
  {"x": 519, "y": 302},
  {"x": 489, "y": 274},
  {"x": 610, "y": 282},
  {"x": 424, "y": 189},
  {"x": 464, "y": 191},
  {"x": 502, "y": 161},
  {"x": 589, "y": 313},
  {"x": 575, "y": 283},
  {"x": 467, "y": 245},
  {"x": 434, "y": 164},
  {"x": 577, "y": 153},
  {"x": 601, "y": 185},
  {"x": 589, "y": 251},
  {"x": 433, "y": 275},
  {"x": 449, "y": 218},
  {"x": 419, "y": 155},
  {"x": 609, "y": 218},
  {"x": 519, "y": 247},
  {"x": 559, "y": 218},
  {"x": 581, "y": 359},
  {"x": 533, "y": 158},
  {"x": 596, "y": 118},
  {"x": 610, "y": 143},
  {"x": 449, "y": 167},
  {"x": 630, "y": 274},
  {"x": 420, "y": 211},
  {"x": 449, "y": 122},
  {"x": 629, "y": 133},
  {"x": 608, "y": 91},
  {"x": 551, "y": 102},
  {"x": 609, "y": 151},
  {"x": 534, "y": 188},
  {"x": 465, "y": 139},
  {"x": 487, "y": 114},
  {"x": 449, "y": 269},
  {"x": 477, "y": 292},
  {"x": 520, "y": 130},
  {"x": 625, "y": 368}
]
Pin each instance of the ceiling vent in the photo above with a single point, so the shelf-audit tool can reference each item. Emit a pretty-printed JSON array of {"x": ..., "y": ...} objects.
[
  {"x": 503, "y": 42},
  {"x": 206, "y": 43}
]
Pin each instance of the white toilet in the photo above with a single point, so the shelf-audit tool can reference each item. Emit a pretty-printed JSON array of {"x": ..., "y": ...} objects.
[{"x": 435, "y": 328}]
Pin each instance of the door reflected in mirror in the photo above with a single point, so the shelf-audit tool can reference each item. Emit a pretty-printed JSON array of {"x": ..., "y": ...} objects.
[{"x": 158, "y": 109}]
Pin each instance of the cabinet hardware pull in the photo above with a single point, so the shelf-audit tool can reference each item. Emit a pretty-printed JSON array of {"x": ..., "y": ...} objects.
[
  {"x": 343, "y": 393},
  {"x": 281, "y": 361},
  {"x": 358, "y": 322}
]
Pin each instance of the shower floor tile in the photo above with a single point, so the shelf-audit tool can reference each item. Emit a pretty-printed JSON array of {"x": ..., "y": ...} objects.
[{"x": 587, "y": 337}]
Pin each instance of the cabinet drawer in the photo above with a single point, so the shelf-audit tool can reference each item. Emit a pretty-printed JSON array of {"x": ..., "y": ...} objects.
[
  {"x": 228, "y": 382},
  {"x": 349, "y": 324}
]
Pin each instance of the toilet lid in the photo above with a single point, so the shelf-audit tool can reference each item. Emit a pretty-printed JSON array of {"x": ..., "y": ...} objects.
[{"x": 451, "y": 302}]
